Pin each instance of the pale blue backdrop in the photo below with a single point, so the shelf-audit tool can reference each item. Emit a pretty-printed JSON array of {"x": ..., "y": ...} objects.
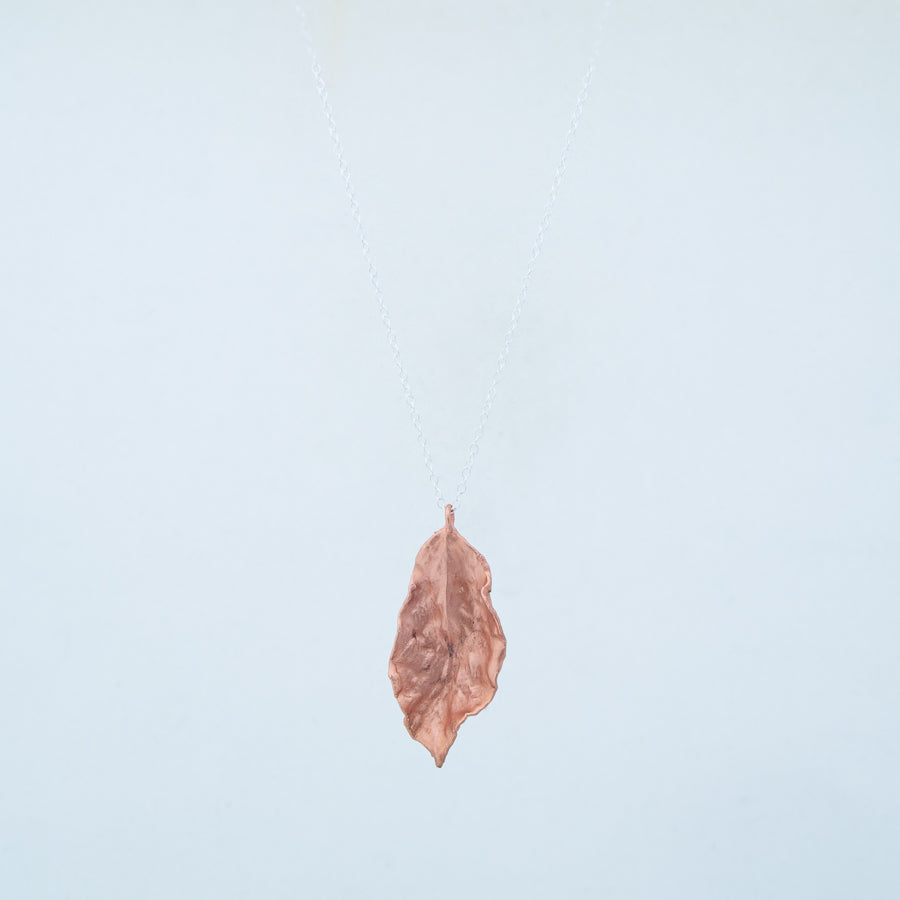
[{"x": 211, "y": 496}]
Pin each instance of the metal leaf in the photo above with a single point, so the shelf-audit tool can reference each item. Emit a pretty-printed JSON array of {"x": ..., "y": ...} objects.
[{"x": 450, "y": 645}]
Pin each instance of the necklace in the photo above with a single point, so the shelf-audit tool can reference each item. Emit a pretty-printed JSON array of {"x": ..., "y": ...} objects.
[{"x": 450, "y": 644}]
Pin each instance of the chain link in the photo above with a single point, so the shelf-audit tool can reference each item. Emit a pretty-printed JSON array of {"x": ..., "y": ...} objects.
[{"x": 536, "y": 248}]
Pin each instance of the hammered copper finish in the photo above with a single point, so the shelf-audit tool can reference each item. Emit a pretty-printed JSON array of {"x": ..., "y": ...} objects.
[{"x": 450, "y": 645}]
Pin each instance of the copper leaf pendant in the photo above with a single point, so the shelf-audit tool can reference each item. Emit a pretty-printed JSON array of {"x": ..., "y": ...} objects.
[{"x": 450, "y": 644}]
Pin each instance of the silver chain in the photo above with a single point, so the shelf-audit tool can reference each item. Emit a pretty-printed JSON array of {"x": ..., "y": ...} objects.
[{"x": 536, "y": 249}]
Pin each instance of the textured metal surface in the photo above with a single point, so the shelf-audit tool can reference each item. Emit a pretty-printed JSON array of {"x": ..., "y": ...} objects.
[{"x": 450, "y": 645}]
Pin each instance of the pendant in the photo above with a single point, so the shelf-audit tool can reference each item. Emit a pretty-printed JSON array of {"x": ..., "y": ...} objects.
[{"x": 450, "y": 645}]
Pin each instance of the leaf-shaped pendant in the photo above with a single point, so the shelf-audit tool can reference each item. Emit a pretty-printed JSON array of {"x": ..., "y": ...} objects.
[{"x": 450, "y": 644}]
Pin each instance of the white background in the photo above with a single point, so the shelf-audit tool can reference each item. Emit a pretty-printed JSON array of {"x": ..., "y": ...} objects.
[{"x": 211, "y": 495}]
